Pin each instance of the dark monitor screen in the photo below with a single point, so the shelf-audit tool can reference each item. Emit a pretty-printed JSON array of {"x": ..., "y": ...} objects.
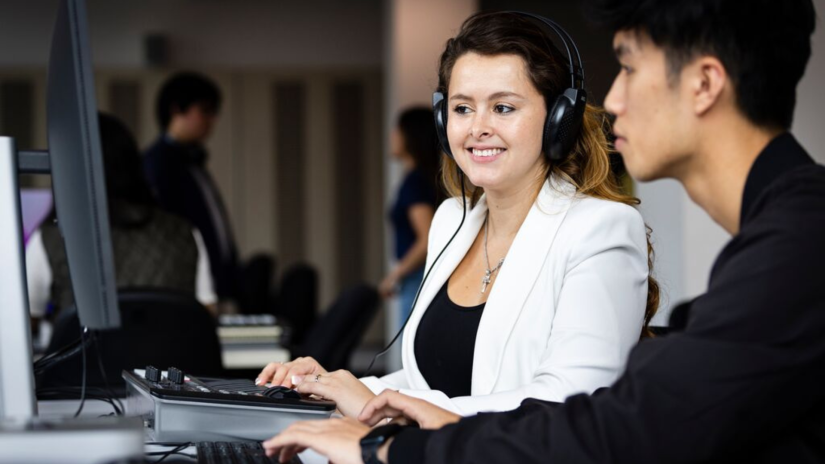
[{"x": 77, "y": 169}]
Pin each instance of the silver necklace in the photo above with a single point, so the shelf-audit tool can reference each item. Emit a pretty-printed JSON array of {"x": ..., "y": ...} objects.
[{"x": 488, "y": 272}]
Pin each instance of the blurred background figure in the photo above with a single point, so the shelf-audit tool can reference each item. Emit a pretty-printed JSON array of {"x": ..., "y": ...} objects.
[
  {"x": 414, "y": 145},
  {"x": 152, "y": 248},
  {"x": 187, "y": 109}
]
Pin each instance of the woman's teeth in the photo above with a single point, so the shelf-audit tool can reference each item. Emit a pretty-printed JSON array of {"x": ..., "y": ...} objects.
[{"x": 488, "y": 152}]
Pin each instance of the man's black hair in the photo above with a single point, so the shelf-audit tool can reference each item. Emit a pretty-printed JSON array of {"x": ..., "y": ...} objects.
[
  {"x": 183, "y": 90},
  {"x": 763, "y": 44}
]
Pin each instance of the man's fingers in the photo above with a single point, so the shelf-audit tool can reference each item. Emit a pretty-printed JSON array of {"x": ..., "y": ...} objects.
[
  {"x": 381, "y": 415},
  {"x": 289, "y": 452},
  {"x": 379, "y": 403}
]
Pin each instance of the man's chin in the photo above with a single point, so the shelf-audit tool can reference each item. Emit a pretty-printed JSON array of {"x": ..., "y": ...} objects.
[{"x": 642, "y": 175}]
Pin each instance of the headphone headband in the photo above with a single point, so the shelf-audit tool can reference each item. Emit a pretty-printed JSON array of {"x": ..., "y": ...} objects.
[{"x": 577, "y": 69}]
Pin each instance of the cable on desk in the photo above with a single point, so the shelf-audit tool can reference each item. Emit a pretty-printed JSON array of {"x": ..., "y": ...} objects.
[
  {"x": 115, "y": 401},
  {"x": 166, "y": 454},
  {"x": 83, "y": 376},
  {"x": 57, "y": 357},
  {"x": 92, "y": 393}
]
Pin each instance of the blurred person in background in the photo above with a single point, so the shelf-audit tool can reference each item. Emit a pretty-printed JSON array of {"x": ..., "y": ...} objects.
[
  {"x": 415, "y": 146},
  {"x": 176, "y": 166},
  {"x": 152, "y": 248}
]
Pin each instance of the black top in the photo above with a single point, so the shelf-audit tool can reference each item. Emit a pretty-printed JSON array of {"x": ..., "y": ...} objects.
[
  {"x": 742, "y": 383},
  {"x": 415, "y": 189},
  {"x": 445, "y": 342},
  {"x": 184, "y": 187}
]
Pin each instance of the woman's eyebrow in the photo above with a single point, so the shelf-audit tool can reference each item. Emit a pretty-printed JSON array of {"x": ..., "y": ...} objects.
[{"x": 503, "y": 94}]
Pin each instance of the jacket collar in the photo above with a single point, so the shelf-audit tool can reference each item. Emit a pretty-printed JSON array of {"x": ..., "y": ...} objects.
[
  {"x": 515, "y": 279},
  {"x": 781, "y": 155}
]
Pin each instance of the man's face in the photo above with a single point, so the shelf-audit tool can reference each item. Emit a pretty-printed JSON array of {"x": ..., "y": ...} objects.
[
  {"x": 196, "y": 122},
  {"x": 653, "y": 125}
]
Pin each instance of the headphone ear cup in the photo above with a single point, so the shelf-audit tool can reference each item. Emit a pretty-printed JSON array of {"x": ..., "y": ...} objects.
[
  {"x": 440, "y": 115},
  {"x": 563, "y": 124}
]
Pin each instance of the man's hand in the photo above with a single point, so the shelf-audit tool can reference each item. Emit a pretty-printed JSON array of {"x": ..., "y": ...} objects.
[
  {"x": 339, "y": 440},
  {"x": 397, "y": 406}
]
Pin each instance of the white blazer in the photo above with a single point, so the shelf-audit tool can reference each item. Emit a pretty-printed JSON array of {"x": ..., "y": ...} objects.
[{"x": 566, "y": 308}]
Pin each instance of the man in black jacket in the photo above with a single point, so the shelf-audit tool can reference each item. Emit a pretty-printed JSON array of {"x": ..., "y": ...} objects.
[
  {"x": 705, "y": 95},
  {"x": 175, "y": 164}
]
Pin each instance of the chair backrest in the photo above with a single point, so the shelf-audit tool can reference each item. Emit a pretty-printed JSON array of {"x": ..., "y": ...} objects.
[
  {"x": 298, "y": 301},
  {"x": 160, "y": 328},
  {"x": 333, "y": 339},
  {"x": 255, "y": 293}
]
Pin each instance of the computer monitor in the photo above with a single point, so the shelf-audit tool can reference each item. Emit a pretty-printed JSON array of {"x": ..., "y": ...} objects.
[
  {"x": 76, "y": 165},
  {"x": 77, "y": 169}
]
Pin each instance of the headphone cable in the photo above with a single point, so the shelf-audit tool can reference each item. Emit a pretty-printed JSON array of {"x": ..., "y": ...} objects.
[{"x": 426, "y": 274}]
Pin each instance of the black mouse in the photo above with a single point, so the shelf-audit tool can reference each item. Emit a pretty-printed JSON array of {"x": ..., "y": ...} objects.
[{"x": 281, "y": 392}]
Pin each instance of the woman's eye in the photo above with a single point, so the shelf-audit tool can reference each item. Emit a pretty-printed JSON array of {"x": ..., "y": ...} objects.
[
  {"x": 627, "y": 69},
  {"x": 504, "y": 109},
  {"x": 462, "y": 109}
]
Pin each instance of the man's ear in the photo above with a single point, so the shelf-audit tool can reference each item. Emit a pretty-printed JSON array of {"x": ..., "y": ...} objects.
[{"x": 709, "y": 83}]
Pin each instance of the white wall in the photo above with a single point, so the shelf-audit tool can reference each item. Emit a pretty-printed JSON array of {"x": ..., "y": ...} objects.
[
  {"x": 215, "y": 33},
  {"x": 809, "y": 118}
]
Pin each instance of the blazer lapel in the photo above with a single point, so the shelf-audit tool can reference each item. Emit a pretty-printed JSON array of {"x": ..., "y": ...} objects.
[
  {"x": 442, "y": 270},
  {"x": 516, "y": 278}
]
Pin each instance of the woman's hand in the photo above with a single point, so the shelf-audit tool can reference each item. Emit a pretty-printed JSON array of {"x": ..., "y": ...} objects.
[
  {"x": 402, "y": 408},
  {"x": 349, "y": 394},
  {"x": 283, "y": 373},
  {"x": 339, "y": 440},
  {"x": 389, "y": 285}
]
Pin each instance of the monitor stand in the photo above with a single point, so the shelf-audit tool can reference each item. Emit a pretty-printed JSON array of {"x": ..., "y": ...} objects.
[{"x": 17, "y": 398}]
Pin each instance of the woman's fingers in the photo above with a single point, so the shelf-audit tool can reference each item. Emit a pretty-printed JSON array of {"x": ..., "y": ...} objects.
[{"x": 266, "y": 374}]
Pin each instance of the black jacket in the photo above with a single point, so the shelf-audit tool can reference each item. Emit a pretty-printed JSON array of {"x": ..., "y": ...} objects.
[
  {"x": 184, "y": 187},
  {"x": 745, "y": 381}
]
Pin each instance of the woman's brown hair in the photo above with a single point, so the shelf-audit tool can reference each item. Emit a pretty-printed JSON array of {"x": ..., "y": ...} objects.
[{"x": 587, "y": 166}]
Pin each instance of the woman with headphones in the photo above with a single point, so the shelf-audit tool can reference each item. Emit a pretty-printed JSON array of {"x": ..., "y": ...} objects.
[{"x": 538, "y": 270}]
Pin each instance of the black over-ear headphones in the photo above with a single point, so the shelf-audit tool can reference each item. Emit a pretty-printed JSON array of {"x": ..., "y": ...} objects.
[{"x": 564, "y": 118}]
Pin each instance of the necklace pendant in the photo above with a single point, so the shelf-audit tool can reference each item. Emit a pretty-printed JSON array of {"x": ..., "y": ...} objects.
[{"x": 484, "y": 281}]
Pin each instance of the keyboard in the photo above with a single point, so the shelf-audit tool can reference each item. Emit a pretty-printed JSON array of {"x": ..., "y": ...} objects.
[
  {"x": 177, "y": 407},
  {"x": 178, "y": 386},
  {"x": 236, "y": 452}
]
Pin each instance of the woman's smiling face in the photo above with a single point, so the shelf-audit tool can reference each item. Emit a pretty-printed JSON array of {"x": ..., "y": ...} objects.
[{"x": 495, "y": 123}]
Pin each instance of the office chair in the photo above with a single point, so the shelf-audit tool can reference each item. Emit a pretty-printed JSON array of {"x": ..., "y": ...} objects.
[
  {"x": 254, "y": 286},
  {"x": 297, "y": 303},
  {"x": 333, "y": 339},
  {"x": 159, "y": 327}
]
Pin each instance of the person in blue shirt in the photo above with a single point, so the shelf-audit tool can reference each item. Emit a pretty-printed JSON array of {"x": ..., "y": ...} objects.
[{"x": 414, "y": 144}]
